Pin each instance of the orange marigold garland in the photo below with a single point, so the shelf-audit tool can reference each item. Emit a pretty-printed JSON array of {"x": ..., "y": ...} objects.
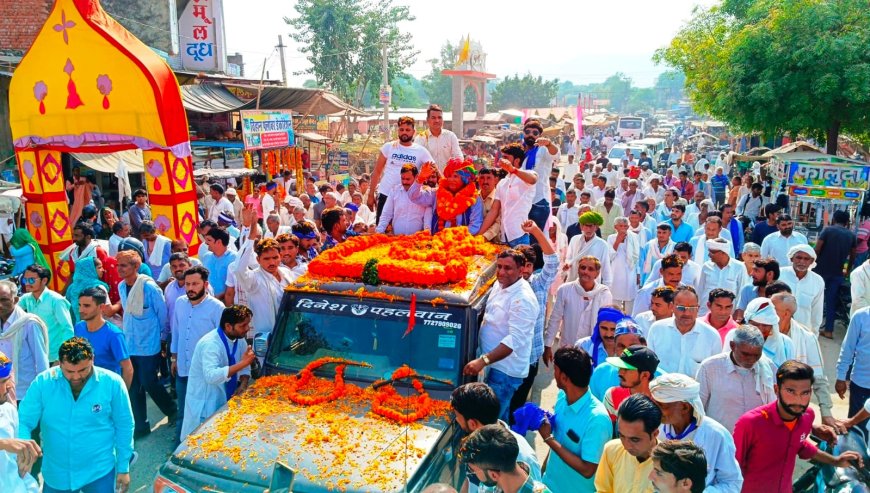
[
  {"x": 387, "y": 399},
  {"x": 306, "y": 377}
]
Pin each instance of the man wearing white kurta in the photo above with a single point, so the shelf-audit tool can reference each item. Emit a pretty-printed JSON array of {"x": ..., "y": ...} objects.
[
  {"x": 220, "y": 368},
  {"x": 264, "y": 286},
  {"x": 589, "y": 244},
  {"x": 624, "y": 252},
  {"x": 777, "y": 245},
  {"x": 691, "y": 423},
  {"x": 721, "y": 271},
  {"x": 654, "y": 250},
  {"x": 712, "y": 230},
  {"x": 807, "y": 286},
  {"x": 575, "y": 311},
  {"x": 682, "y": 342},
  {"x": 859, "y": 281},
  {"x": 806, "y": 350},
  {"x": 691, "y": 275},
  {"x": 442, "y": 144}
]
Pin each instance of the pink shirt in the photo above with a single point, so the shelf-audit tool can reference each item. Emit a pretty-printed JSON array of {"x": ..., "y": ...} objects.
[
  {"x": 863, "y": 234},
  {"x": 725, "y": 329},
  {"x": 767, "y": 449}
]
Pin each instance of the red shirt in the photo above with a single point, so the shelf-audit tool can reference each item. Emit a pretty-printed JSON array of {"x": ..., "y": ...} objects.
[{"x": 767, "y": 449}]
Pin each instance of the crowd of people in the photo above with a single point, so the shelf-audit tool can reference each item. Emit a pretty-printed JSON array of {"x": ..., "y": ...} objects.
[{"x": 685, "y": 348}]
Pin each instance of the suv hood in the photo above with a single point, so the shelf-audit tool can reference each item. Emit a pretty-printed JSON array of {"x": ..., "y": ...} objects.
[{"x": 338, "y": 445}]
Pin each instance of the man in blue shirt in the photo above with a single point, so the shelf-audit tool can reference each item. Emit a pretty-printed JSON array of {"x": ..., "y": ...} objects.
[
  {"x": 584, "y": 426},
  {"x": 194, "y": 316},
  {"x": 540, "y": 283},
  {"x": 682, "y": 232},
  {"x": 857, "y": 342},
  {"x": 110, "y": 347},
  {"x": 84, "y": 409},
  {"x": 145, "y": 326},
  {"x": 218, "y": 260}
]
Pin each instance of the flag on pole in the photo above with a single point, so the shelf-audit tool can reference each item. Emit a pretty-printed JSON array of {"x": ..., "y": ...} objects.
[{"x": 579, "y": 130}]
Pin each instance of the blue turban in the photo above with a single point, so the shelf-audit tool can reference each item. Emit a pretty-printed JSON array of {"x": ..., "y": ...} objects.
[
  {"x": 604, "y": 315},
  {"x": 5, "y": 366}
]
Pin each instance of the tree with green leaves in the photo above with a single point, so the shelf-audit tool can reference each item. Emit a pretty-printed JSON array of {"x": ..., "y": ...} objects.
[
  {"x": 524, "y": 92},
  {"x": 796, "y": 66},
  {"x": 343, "y": 39}
]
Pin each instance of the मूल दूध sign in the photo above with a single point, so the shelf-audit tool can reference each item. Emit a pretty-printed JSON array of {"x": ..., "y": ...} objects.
[{"x": 267, "y": 129}]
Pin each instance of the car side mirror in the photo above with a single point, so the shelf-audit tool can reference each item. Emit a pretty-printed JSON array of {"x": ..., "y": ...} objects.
[{"x": 261, "y": 344}]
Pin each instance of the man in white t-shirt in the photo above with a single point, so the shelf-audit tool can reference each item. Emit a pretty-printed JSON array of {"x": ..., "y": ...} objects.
[
  {"x": 539, "y": 155},
  {"x": 394, "y": 155},
  {"x": 513, "y": 197},
  {"x": 442, "y": 144},
  {"x": 221, "y": 203}
]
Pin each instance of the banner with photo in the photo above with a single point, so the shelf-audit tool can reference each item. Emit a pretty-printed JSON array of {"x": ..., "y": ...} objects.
[{"x": 267, "y": 129}]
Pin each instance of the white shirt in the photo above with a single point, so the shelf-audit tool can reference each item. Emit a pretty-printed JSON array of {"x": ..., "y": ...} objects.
[
  {"x": 859, "y": 280},
  {"x": 114, "y": 241},
  {"x": 515, "y": 197},
  {"x": 658, "y": 194},
  {"x": 442, "y": 148},
  {"x": 365, "y": 215},
  {"x": 728, "y": 391},
  {"x": 644, "y": 321},
  {"x": 723, "y": 471},
  {"x": 10, "y": 481},
  {"x": 543, "y": 165},
  {"x": 575, "y": 313},
  {"x": 510, "y": 320},
  {"x": 777, "y": 246},
  {"x": 268, "y": 203},
  {"x": 699, "y": 248},
  {"x": 209, "y": 371},
  {"x": 732, "y": 277},
  {"x": 683, "y": 353},
  {"x": 406, "y": 216},
  {"x": 398, "y": 155},
  {"x": 691, "y": 273},
  {"x": 810, "y": 295},
  {"x": 567, "y": 216},
  {"x": 222, "y": 205},
  {"x": 263, "y": 290},
  {"x": 578, "y": 248},
  {"x": 267, "y": 233}
]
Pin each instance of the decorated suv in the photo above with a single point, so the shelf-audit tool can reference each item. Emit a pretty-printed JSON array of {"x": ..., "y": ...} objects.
[{"x": 358, "y": 376}]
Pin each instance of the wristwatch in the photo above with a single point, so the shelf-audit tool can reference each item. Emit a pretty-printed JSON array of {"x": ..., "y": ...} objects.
[{"x": 485, "y": 359}]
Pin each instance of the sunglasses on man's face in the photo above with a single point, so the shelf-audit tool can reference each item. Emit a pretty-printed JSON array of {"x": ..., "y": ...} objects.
[
  {"x": 686, "y": 308},
  {"x": 531, "y": 131},
  {"x": 29, "y": 280}
]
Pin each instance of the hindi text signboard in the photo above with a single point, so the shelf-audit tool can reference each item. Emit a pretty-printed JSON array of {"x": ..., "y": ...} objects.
[{"x": 267, "y": 129}]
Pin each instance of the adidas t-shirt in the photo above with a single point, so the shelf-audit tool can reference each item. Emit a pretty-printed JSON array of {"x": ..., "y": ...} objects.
[{"x": 397, "y": 156}]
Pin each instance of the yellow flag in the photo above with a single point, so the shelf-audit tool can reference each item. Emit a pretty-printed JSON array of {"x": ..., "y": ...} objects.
[{"x": 465, "y": 51}]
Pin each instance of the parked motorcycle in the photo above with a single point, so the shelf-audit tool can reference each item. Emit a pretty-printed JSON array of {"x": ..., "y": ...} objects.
[{"x": 823, "y": 478}]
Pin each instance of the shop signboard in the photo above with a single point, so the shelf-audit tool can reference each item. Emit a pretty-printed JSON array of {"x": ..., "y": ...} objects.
[
  {"x": 312, "y": 123},
  {"x": 824, "y": 193},
  {"x": 338, "y": 161},
  {"x": 267, "y": 129},
  {"x": 202, "y": 36},
  {"x": 808, "y": 175}
]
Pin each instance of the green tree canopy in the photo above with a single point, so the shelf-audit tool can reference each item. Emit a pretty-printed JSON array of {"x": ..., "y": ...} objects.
[
  {"x": 343, "y": 39},
  {"x": 797, "y": 66},
  {"x": 524, "y": 92}
]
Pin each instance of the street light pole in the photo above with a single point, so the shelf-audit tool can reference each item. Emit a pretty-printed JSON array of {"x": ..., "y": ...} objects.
[{"x": 386, "y": 100}]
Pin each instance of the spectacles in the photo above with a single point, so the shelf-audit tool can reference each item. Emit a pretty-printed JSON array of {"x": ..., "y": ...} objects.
[
  {"x": 29, "y": 280},
  {"x": 532, "y": 131},
  {"x": 686, "y": 308}
]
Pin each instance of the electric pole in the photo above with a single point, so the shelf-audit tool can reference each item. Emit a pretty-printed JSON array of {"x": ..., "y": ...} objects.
[
  {"x": 281, "y": 53},
  {"x": 386, "y": 94}
]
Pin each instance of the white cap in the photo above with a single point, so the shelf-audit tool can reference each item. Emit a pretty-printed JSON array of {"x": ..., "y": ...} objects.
[{"x": 231, "y": 191}]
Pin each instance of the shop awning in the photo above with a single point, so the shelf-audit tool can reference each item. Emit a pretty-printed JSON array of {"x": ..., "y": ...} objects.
[
  {"x": 314, "y": 137},
  {"x": 299, "y": 99},
  {"x": 108, "y": 163},
  {"x": 209, "y": 98}
]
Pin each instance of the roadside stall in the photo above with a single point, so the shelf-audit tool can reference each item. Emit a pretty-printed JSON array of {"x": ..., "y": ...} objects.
[{"x": 818, "y": 184}]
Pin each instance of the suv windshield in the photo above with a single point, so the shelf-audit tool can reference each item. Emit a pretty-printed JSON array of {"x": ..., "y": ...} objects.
[
  {"x": 373, "y": 332},
  {"x": 618, "y": 153}
]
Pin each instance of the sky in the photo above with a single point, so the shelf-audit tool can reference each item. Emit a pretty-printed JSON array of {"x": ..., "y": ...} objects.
[{"x": 581, "y": 41}]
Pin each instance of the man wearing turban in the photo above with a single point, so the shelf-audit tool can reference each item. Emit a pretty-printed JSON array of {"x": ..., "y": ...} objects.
[
  {"x": 807, "y": 286},
  {"x": 456, "y": 201},
  {"x": 683, "y": 418},
  {"x": 588, "y": 243},
  {"x": 721, "y": 271}
]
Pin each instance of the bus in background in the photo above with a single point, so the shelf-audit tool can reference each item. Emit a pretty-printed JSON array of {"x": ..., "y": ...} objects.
[{"x": 630, "y": 127}]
